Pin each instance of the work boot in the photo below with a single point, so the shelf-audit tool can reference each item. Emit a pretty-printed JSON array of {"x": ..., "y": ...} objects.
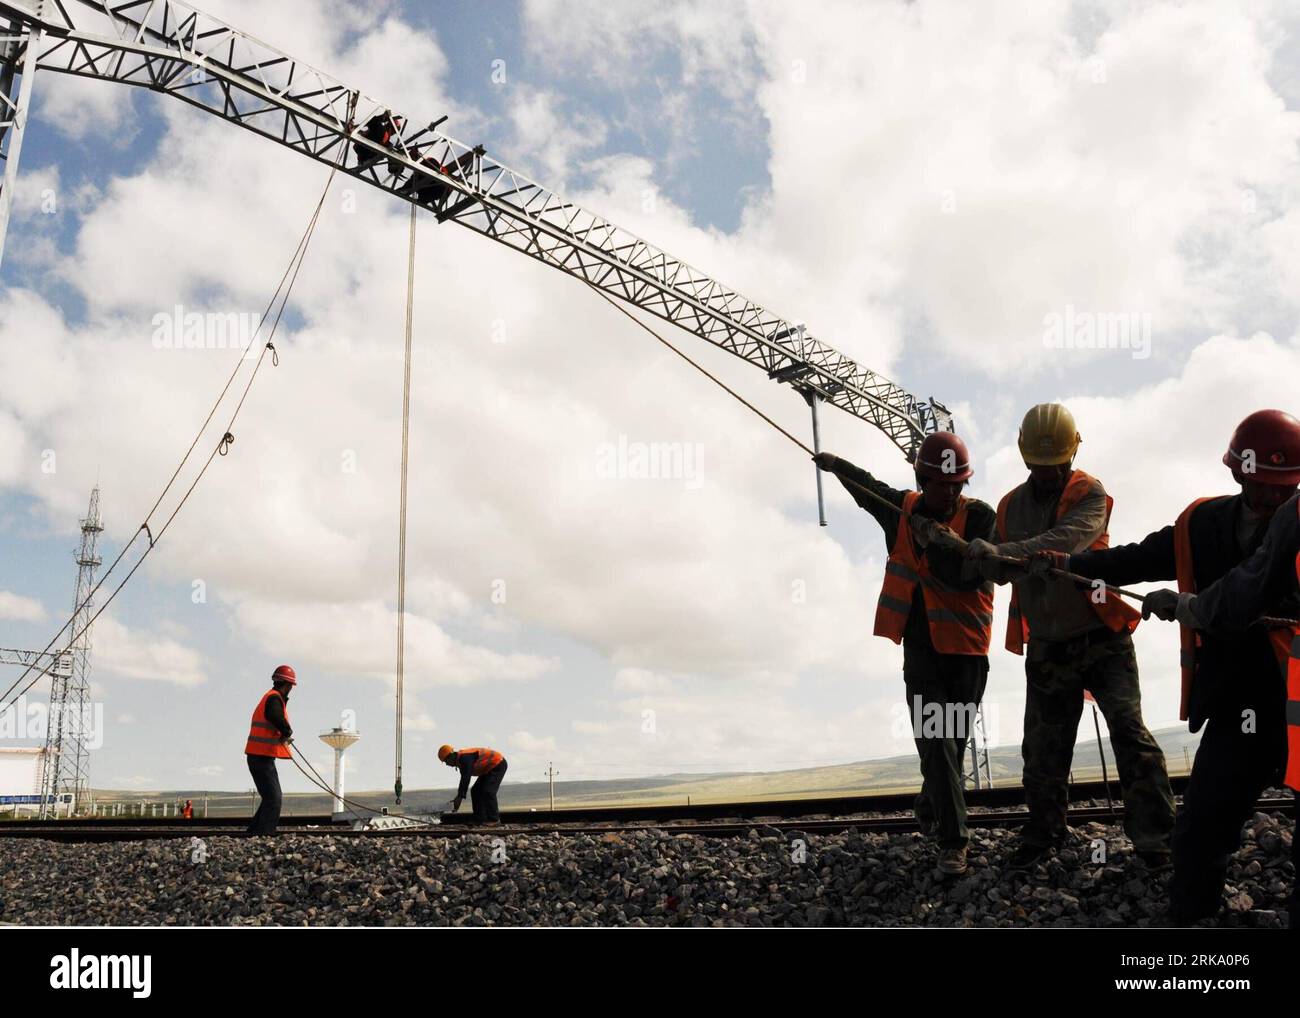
[
  {"x": 1027, "y": 855},
  {"x": 924, "y": 814},
  {"x": 952, "y": 861},
  {"x": 1158, "y": 860}
]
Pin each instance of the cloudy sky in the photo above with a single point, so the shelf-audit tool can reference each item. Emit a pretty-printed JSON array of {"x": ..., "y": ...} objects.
[{"x": 929, "y": 186}]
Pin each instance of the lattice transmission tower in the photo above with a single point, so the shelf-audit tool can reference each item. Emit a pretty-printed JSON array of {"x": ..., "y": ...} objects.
[{"x": 70, "y": 724}]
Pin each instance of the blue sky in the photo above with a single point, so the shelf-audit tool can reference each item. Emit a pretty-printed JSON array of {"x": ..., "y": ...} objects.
[{"x": 923, "y": 189}]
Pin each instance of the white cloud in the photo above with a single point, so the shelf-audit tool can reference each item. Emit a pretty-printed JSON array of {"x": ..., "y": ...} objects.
[
  {"x": 968, "y": 170},
  {"x": 22, "y": 609},
  {"x": 84, "y": 109},
  {"x": 137, "y": 655}
]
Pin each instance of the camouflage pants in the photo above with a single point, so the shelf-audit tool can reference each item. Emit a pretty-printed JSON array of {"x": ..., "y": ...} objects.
[{"x": 1057, "y": 676}]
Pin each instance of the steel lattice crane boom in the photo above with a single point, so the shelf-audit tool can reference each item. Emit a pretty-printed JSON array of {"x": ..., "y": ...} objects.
[{"x": 170, "y": 47}]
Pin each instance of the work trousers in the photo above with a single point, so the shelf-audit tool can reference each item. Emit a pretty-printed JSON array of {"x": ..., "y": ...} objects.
[
  {"x": 483, "y": 794},
  {"x": 1295, "y": 869},
  {"x": 1234, "y": 763},
  {"x": 267, "y": 780},
  {"x": 1103, "y": 663},
  {"x": 947, "y": 686}
]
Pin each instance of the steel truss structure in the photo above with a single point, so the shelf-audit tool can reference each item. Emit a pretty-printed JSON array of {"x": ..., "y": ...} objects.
[{"x": 170, "y": 47}]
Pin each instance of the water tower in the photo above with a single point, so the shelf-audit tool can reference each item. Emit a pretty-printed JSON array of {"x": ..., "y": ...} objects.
[{"x": 339, "y": 739}]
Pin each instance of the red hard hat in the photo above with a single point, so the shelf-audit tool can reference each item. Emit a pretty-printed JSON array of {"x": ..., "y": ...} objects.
[
  {"x": 943, "y": 457},
  {"x": 285, "y": 674},
  {"x": 1266, "y": 448}
]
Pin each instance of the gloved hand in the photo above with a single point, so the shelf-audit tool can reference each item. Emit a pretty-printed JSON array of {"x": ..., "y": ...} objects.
[
  {"x": 923, "y": 528},
  {"x": 1163, "y": 604},
  {"x": 826, "y": 460},
  {"x": 1185, "y": 613},
  {"x": 980, "y": 548},
  {"x": 1040, "y": 562}
]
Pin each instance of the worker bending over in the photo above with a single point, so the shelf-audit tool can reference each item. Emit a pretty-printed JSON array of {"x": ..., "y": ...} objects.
[
  {"x": 269, "y": 738},
  {"x": 1233, "y": 683},
  {"x": 489, "y": 767},
  {"x": 1077, "y": 639},
  {"x": 941, "y": 612}
]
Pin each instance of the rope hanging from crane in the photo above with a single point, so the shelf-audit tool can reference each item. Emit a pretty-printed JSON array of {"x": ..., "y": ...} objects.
[{"x": 401, "y": 530}]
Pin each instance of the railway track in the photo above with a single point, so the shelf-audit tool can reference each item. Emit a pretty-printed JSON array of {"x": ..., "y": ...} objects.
[
  {"x": 722, "y": 828},
  {"x": 839, "y": 805}
]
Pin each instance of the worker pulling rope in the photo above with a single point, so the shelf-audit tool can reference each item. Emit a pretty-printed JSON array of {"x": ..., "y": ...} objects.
[
  {"x": 222, "y": 447},
  {"x": 922, "y": 525}
]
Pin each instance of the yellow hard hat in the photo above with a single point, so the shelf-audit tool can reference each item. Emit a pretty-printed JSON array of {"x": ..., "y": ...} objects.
[
  {"x": 444, "y": 752},
  {"x": 1048, "y": 436}
]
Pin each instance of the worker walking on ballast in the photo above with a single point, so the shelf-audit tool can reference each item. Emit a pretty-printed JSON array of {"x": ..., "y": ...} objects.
[
  {"x": 269, "y": 739},
  {"x": 489, "y": 767},
  {"x": 941, "y": 611}
]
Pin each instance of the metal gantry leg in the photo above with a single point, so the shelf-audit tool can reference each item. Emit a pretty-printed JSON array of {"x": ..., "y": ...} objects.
[{"x": 19, "y": 47}]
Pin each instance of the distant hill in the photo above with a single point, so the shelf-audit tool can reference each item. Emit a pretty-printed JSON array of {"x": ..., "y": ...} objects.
[{"x": 891, "y": 774}]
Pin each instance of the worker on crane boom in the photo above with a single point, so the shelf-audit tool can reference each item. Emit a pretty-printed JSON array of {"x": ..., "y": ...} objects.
[
  {"x": 489, "y": 767},
  {"x": 1077, "y": 640},
  {"x": 427, "y": 186},
  {"x": 383, "y": 129},
  {"x": 1233, "y": 681},
  {"x": 269, "y": 739},
  {"x": 941, "y": 612}
]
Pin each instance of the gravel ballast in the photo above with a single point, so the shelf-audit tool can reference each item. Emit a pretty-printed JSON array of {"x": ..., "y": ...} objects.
[{"x": 642, "y": 877}]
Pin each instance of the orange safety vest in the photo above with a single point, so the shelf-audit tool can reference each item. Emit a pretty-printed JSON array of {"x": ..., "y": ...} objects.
[
  {"x": 264, "y": 738},
  {"x": 487, "y": 759},
  {"x": 1118, "y": 616},
  {"x": 961, "y": 621},
  {"x": 1190, "y": 639},
  {"x": 1292, "y": 777}
]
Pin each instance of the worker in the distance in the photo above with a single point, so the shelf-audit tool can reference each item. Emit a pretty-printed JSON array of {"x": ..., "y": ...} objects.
[
  {"x": 1233, "y": 683},
  {"x": 269, "y": 739},
  {"x": 941, "y": 612},
  {"x": 488, "y": 767},
  {"x": 187, "y": 811},
  {"x": 1077, "y": 639}
]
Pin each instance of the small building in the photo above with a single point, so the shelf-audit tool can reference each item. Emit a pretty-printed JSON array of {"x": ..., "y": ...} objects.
[{"x": 22, "y": 769}]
